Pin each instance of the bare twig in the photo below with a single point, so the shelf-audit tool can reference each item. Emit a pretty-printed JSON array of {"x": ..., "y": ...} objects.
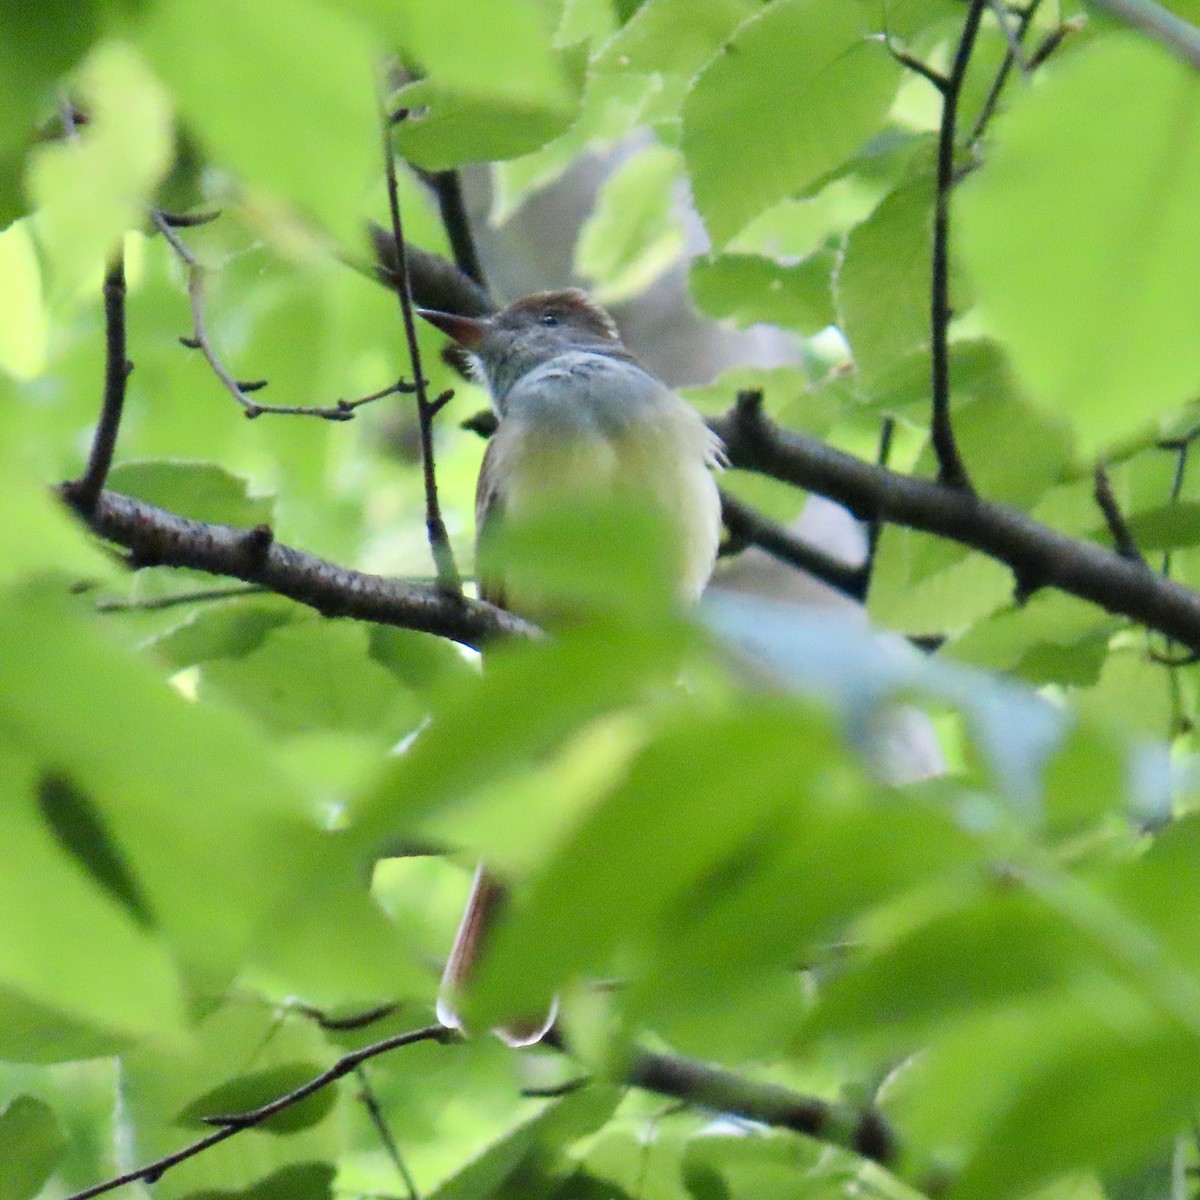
[
  {"x": 1038, "y": 555},
  {"x": 867, "y": 1133},
  {"x": 86, "y": 490},
  {"x": 439, "y": 540},
  {"x": 748, "y": 527},
  {"x": 875, "y": 526},
  {"x": 235, "y": 1123},
  {"x": 1118, "y": 528},
  {"x": 917, "y": 65},
  {"x": 370, "y": 1101},
  {"x": 240, "y": 389},
  {"x": 155, "y": 537},
  {"x": 951, "y": 470},
  {"x": 157, "y": 603},
  {"x": 1010, "y": 60},
  {"x": 1180, "y": 37},
  {"x": 1013, "y": 36}
]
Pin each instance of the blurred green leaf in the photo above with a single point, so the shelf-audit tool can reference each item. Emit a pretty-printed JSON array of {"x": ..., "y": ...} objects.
[
  {"x": 89, "y": 190},
  {"x": 305, "y": 1181},
  {"x": 749, "y": 289},
  {"x": 199, "y": 490},
  {"x": 259, "y": 1088},
  {"x": 31, "y": 1144},
  {"x": 24, "y": 329},
  {"x": 635, "y": 230},
  {"x": 746, "y": 149},
  {"x": 1110, "y": 249},
  {"x": 884, "y": 279},
  {"x": 289, "y": 103},
  {"x": 41, "y": 43}
]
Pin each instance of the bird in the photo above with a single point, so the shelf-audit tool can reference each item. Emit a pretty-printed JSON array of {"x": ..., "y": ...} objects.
[{"x": 577, "y": 415}]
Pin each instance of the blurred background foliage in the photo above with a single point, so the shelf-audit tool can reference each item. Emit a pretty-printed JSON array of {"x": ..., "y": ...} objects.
[{"x": 961, "y": 887}]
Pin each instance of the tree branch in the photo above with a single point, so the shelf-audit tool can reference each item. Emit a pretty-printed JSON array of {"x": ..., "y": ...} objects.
[
  {"x": 951, "y": 470},
  {"x": 748, "y": 527},
  {"x": 435, "y": 527},
  {"x": 447, "y": 188},
  {"x": 1038, "y": 555},
  {"x": 236, "y": 1123},
  {"x": 155, "y": 537},
  {"x": 1180, "y": 37},
  {"x": 1122, "y": 535},
  {"x": 85, "y": 491},
  {"x": 866, "y": 1133}
]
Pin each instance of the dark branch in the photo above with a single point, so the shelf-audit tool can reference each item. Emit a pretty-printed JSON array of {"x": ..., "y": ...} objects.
[
  {"x": 1122, "y": 536},
  {"x": 434, "y": 282},
  {"x": 748, "y": 527},
  {"x": 918, "y": 66},
  {"x": 866, "y": 1133},
  {"x": 951, "y": 470},
  {"x": 155, "y": 537},
  {"x": 234, "y": 1124},
  {"x": 366, "y": 1093},
  {"x": 447, "y": 187},
  {"x": 1010, "y": 60},
  {"x": 86, "y": 490},
  {"x": 1038, "y": 555},
  {"x": 435, "y": 527}
]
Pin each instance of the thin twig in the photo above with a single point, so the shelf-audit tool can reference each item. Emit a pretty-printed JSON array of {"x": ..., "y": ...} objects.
[
  {"x": 362, "y": 1020},
  {"x": 1118, "y": 527},
  {"x": 875, "y": 525},
  {"x": 439, "y": 540},
  {"x": 157, "y": 603},
  {"x": 86, "y": 490},
  {"x": 951, "y": 470},
  {"x": 993, "y": 97},
  {"x": 1011, "y": 35},
  {"x": 917, "y": 65},
  {"x": 240, "y": 389},
  {"x": 748, "y": 527},
  {"x": 235, "y": 1123},
  {"x": 371, "y": 1103}
]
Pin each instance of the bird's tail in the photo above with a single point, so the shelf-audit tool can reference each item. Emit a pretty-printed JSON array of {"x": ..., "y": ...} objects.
[{"x": 484, "y": 907}]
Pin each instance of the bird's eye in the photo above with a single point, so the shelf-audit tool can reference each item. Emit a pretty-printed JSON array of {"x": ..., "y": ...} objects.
[{"x": 549, "y": 319}]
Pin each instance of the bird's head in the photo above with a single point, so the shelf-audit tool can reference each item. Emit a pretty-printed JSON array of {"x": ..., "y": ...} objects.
[{"x": 533, "y": 330}]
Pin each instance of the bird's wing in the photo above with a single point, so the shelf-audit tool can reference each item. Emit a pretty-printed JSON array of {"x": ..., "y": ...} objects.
[{"x": 489, "y": 506}]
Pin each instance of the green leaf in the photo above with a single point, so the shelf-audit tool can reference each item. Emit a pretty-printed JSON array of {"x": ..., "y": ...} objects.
[
  {"x": 1166, "y": 528},
  {"x": 72, "y": 951},
  {"x": 32, "y": 1143},
  {"x": 289, "y": 103},
  {"x": 745, "y": 147},
  {"x": 302, "y": 1181},
  {"x": 1106, "y": 1103},
  {"x": 91, "y": 189},
  {"x": 634, "y": 232},
  {"x": 884, "y": 280},
  {"x": 528, "y": 701},
  {"x": 24, "y": 329},
  {"x": 81, "y": 831},
  {"x": 673, "y": 37},
  {"x": 41, "y": 43},
  {"x": 1077, "y": 228},
  {"x": 228, "y": 629},
  {"x": 212, "y": 831},
  {"x": 198, "y": 490},
  {"x": 313, "y": 674},
  {"x": 252, "y": 1091},
  {"x": 447, "y": 127},
  {"x": 748, "y": 289},
  {"x": 500, "y": 49}
]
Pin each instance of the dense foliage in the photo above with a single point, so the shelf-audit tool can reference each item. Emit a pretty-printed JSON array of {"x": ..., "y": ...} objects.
[{"x": 231, "y": 825}]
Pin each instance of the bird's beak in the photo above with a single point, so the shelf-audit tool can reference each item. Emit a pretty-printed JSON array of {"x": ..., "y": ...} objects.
[{"x": 466, "y": 331}]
